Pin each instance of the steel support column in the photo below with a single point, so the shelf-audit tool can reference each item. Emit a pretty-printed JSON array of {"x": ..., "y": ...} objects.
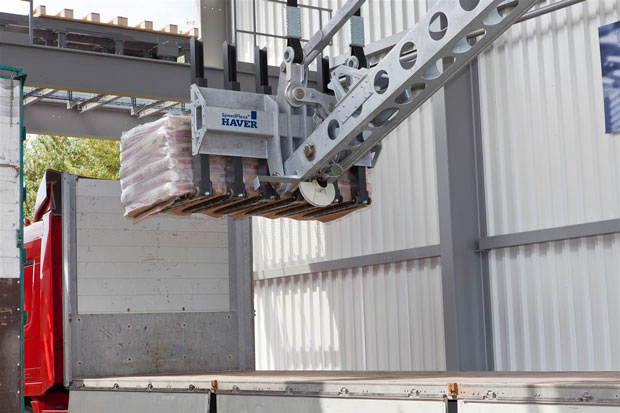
[
  {"x": 215, "y": 19},
  {"x": 242, "y": 287},
  {"x": 462, "y": 222}
]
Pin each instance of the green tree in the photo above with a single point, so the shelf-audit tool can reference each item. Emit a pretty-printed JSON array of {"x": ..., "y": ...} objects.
[{"x": 93, "y": 158}]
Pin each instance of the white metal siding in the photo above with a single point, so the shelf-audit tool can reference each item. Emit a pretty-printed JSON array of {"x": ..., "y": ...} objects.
[
  {"x": 162, "y": 264},
  {"x": 9, "y": 178},
  {"x": 548, "y": 161},
  {"x": 385, "y": 317},
  {"x": 555, "y": 305}
]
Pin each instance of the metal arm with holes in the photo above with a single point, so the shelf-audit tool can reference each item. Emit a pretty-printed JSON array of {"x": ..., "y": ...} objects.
[{"x": 310, "y": 138}]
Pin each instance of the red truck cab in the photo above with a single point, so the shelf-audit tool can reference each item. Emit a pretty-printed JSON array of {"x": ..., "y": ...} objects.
[{"x": 43, "y": 329}]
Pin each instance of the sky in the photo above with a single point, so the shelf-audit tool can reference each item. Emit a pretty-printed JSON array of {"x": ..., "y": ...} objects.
[{"x": 160, "y": 12}]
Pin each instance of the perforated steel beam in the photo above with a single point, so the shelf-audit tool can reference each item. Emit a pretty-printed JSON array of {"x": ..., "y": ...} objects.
[{"x": 388, "y": 93}]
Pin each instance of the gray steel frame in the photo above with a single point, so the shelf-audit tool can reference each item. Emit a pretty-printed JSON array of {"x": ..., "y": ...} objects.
[
  {"x": 107, "y": 74},
  {"x": 462, "y": 220},
  {"x": 69, "y": 272},
  {"x": 590, "y": 229},
  {"x": 410, "y": 254}
]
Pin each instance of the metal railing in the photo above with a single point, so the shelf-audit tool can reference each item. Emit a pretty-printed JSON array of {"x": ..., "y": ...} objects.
[{"x": 256, "y": 33}]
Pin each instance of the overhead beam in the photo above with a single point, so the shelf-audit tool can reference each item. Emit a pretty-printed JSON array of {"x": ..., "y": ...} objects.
[
  {"x": 589, "y": 229},
  {"x": 54, "y": 119},
  {"x": 100, "y": 73},
  {"x": 108, "y": 74}
]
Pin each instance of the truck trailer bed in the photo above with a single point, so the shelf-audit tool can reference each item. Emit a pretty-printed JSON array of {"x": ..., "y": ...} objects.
[{"x": 263, "y": 391}]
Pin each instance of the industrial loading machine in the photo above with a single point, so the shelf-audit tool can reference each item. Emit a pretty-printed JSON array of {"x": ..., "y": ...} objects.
[{"x": 313, "y": 144}]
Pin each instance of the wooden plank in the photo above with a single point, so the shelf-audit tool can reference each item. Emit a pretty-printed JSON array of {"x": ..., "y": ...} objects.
[
  {"x": 90, "y": 237},
  {"x": 10, "y": 217},
  {"x": 151, "y": 286},
  {"x": 168, "y": 270},
  {"x": 112, "y": 205},
  {"x": 151, "y": 303},
  {"x": 151, "y": 254},
  {"x": 65, "y": 14},
  {"x": 9, "y": 147},
  {"x": 119, "y": 21},
  {"x": 92, "y": 17},
  {"x": 103, "y": 204},
  {"x": 161, "y": 222},
  {"x": 98, "y": 188},
  {"x": 8, "y": 246},
  {"x": 99, "y": 23},
  {"x": 146, "y": 24}
]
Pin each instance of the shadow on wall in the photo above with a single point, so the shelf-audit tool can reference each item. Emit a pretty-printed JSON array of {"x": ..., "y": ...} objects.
[{"x": 384, "y": 317}]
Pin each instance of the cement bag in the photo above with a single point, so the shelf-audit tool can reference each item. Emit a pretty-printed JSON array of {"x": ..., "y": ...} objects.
[{"x": 156, "y": 164}]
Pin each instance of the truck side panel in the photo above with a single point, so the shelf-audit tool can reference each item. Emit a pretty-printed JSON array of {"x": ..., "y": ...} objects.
[
  {"x": 163, "y": 264},
  {"x": 156, "y": 297}
]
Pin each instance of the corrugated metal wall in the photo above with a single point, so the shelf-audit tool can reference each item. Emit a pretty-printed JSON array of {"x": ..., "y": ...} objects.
[
  {"x": 385, "y": 317},
  {"x": 555, "y": 305},
  {"x": 403, "y": 215},
  {"x": 549, "y": 163}
]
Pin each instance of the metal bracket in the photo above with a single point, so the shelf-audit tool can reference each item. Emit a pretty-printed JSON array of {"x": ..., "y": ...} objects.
[{"x": 230, "y": 66}]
